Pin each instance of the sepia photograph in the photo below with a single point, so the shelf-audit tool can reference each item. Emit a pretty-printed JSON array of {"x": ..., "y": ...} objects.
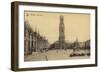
[
  {"x": 52, "y": 36},
  {"x": 56, "y": 36}
]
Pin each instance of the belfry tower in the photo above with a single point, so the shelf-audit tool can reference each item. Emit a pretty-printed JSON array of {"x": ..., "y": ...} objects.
[{"x": 61, "y": 33}]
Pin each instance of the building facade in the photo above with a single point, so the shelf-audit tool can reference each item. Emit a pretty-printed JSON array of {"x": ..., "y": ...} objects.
[{"x": 33, "y": 41}]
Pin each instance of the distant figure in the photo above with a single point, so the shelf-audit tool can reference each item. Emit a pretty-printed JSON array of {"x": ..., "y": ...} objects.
[
  {"x": 46, "y": 58},
  {"x": 57, "y": 51}
]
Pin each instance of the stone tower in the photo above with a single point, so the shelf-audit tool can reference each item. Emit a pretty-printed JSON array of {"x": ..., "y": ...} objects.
[{"x": 61, "y": 33}]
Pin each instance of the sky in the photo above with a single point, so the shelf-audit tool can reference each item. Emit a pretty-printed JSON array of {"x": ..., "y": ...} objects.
[{"x": 77, "y": 25}]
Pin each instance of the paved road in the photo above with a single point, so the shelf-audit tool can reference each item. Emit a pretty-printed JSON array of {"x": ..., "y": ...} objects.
[{"x": 52, "y": 55}]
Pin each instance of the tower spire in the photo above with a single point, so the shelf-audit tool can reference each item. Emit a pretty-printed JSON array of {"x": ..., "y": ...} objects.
[{"x": 61, "y": 33}]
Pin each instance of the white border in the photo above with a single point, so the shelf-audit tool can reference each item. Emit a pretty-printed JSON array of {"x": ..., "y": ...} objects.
[{"x": 23, "y": 64}]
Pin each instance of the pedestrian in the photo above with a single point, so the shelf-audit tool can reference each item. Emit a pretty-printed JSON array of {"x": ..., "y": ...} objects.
[{"x": 46, "y": 58}]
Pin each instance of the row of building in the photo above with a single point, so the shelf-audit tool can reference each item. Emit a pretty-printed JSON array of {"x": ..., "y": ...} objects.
[
  {"x": 71, "y": 45},
  {"x": 33, "y": 41}
]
